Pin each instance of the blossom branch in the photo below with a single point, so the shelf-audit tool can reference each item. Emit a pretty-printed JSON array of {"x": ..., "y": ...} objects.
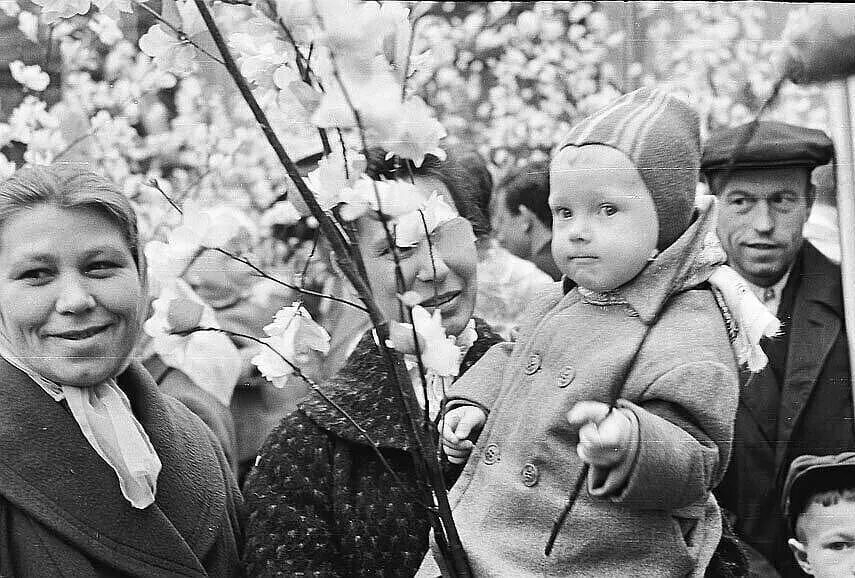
[
  {"x": 444, "y": 528},
  {"x": 390, "y": 240},
  {"x": 178, "y": 31},
  {"x": 258, "y": 271},
  {"x": 424, "y": 445}
]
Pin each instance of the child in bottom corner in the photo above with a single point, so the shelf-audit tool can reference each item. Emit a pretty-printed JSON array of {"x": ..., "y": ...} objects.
[
  {"x": 643, "y": 321},
  {"x": 819, "y": 501}
]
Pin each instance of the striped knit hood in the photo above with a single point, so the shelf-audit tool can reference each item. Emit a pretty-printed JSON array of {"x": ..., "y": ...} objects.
[{"x": 660, "y": 136}]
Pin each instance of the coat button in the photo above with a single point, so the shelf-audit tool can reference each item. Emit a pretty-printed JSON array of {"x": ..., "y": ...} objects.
[
  {"x": 566, "y": 375},
  {"x": 533, "y": 364},
  {"x": 530, "y": 475},
  {"x": 491, "y": 454}
]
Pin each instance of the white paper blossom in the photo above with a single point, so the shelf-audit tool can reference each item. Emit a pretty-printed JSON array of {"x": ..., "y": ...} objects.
[
  {"x": 354, "y": 31},
  {"x": 281, "y": 213},
  {"x": 169, "y": 53},
  {"x": 259, "y": 58},
  {"x": 365, "y": 87},
  {"x": 440, "y": 352},
  {"x": 113, "y": 8},
  {"x": 416, "y": 133},
  {"x": 209, "y": 358},
  {"x": 31, "y": 77},
  {"x": 332, "y": 176},
  {"x": 412, "y": 227},
  {"x": 298, "y": 16},
  {"x": 28, "y": 24},
  {"x": 392, "y": 198},
  {"x": 56, "y": 10},
  {"x": 213, "y": 227},
  {"x": 166, "y": 262},
  {"x": 106, "y": 28},
  {"x": 291, "y": 335}
]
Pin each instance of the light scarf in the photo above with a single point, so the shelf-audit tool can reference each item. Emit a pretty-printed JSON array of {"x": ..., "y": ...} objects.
[
  {"x": 103, "y": 413},
  {"x": 753, "y": 320}
]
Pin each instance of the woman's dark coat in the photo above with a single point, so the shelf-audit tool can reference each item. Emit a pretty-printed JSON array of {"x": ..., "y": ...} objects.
[
  {"x": 319, "y": 499},
  {"x": 62, "y": 512}
]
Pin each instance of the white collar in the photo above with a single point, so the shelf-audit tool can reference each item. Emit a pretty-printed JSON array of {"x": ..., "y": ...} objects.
[{"x": 778, "y": 287}]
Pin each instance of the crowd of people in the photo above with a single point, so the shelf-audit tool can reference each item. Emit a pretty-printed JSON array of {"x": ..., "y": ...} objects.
[{"x": 651, "y": 381}]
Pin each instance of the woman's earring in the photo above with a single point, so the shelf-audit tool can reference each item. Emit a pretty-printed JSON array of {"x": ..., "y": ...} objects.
[{"x": 653, "y": 256}]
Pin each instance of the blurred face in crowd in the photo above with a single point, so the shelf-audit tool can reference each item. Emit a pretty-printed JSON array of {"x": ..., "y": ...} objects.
[
  {"x": 761, "y": 216},
  {"x": 826, "y": 544},
  {"x": 513, "y": 230},
  {"x": 70, "y": 293},
  {"x": 604, "y": 223},
  {"x": 442, "y": 272},
  {"x": 220, "y": 280}
]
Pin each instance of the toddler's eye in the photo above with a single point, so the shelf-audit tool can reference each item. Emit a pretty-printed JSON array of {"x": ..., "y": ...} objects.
[
  {"x": 563, "y": 213},
  {"x": 608, "y": 210}
]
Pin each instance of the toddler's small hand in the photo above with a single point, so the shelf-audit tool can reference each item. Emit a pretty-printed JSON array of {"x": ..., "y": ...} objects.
[
  {"x": 459, "y": 424},
  {"x": 604, "y": 435}
]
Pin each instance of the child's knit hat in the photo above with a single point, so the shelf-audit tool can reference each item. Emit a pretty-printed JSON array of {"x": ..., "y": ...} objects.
[{"x": 660, "y": 135}]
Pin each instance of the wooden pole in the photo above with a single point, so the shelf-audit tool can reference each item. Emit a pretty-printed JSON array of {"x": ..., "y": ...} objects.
[{"x": 841, "y": 120}]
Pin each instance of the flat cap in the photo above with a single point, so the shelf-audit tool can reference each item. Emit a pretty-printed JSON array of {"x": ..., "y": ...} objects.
[
  {"x": 774, "y": 144},
  {"x": 810, "y": 474}
]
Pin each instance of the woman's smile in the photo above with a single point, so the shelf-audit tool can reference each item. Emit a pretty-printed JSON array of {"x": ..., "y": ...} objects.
[
  {"x": 84, "y": 334},
  {"x": 447, "y": 298},
  {"x": 70, "y": 293}
]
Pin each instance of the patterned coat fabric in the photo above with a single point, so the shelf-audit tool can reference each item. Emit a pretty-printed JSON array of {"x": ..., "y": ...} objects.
[
  {"x": 62, "y": 512},
  {"x": 681, "y": 390},
  {"x": 320, "y": 502},
  {"x": 800, "y": 404}
]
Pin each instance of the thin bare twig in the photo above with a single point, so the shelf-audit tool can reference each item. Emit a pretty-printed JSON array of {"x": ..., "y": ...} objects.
[
  {"x": 301, "y": 290},
  {"x": 299, "y": 373},
  {"x": 155, "y": 184},
  {"x": 258, "y": 271}
]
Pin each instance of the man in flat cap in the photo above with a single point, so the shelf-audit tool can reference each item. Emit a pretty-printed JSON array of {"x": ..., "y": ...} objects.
[{"x": 801, "y": 403}]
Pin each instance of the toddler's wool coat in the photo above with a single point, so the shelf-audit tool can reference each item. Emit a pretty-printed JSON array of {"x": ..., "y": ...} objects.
[{"x": 658, "y": 518}]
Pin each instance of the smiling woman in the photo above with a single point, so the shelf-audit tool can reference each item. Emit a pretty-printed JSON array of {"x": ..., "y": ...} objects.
[
  {"x": 319, "y": 498},
  {"x": 99, "y": 472}
]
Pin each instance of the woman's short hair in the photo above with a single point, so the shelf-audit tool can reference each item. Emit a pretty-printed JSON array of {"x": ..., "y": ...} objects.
[
  {"x": 70, "y": 186},
  {"x": 463, "y": 185}
]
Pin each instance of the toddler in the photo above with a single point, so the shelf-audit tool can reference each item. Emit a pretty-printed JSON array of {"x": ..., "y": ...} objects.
[
  {"x": 819, "y": 499},
  {"x": 629, "y": 369}
]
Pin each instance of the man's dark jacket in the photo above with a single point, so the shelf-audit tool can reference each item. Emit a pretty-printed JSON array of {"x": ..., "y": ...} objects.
[{"x": 800, "y": 404}]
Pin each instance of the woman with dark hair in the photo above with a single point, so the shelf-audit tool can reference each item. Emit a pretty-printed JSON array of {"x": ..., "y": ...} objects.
[
  {"x": 100, "y": 473},
  {"x": 319, "y": 499}
]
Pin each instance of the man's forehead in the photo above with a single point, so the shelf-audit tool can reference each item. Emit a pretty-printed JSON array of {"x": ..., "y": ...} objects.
[{"x": 793, "y": 178}]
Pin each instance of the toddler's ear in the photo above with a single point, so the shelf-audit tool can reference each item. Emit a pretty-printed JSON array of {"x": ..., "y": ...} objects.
[{"x": 800, "y": 553}]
